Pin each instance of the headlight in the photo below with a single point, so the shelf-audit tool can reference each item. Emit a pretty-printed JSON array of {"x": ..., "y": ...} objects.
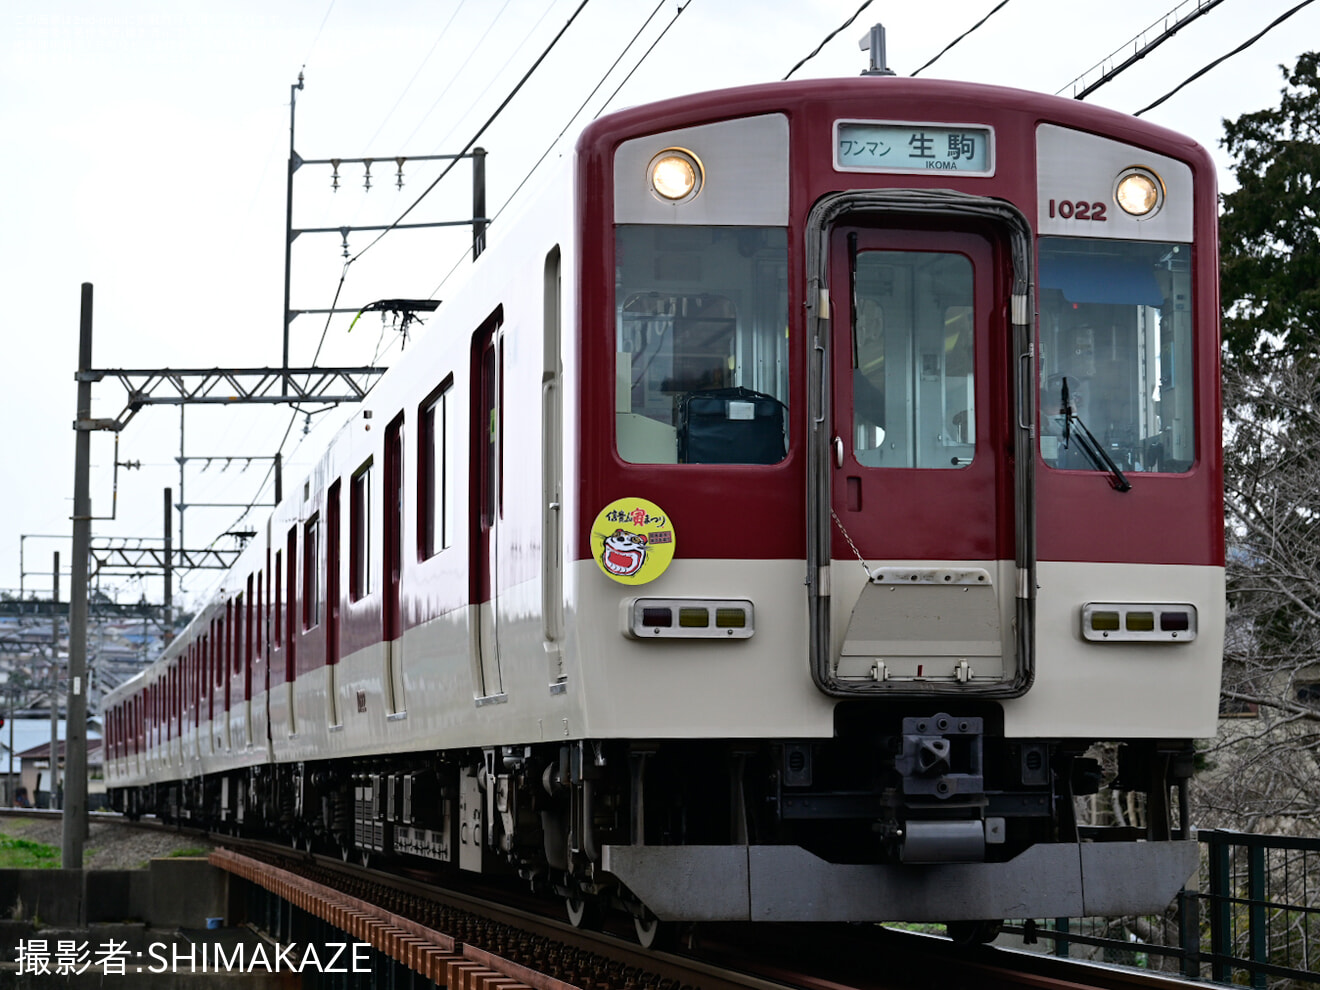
[
  {"x": 1139, "y": 192},
  {"x": 676, "y": 175}
]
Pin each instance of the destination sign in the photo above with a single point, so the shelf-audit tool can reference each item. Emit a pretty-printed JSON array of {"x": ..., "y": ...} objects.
[{"x": 871, "y": 146}]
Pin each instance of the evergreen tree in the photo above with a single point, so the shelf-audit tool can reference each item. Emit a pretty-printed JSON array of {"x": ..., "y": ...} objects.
[{"x": 1270, "y": 226}]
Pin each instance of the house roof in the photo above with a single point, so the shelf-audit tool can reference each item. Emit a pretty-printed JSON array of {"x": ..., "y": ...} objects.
[
  {"x": 42, "y": 752},
  {"x": 29, "y": 732}
]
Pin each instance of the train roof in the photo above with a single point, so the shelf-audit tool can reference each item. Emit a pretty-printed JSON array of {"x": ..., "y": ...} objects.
[{"x": 923, "y": 98}]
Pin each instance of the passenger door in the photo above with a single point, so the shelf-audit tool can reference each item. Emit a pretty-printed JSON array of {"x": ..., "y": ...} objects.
[
  {"x": 487, "y": 437},
  {"x": 392, "y": 567},
  {"x": 332, "y": 602}
]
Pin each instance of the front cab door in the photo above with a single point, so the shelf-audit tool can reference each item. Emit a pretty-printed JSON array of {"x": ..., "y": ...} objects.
[{"x": 924, "y": 539}]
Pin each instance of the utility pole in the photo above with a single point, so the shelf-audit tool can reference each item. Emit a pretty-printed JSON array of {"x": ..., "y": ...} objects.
[
  {"x": 10, "y": 786},
  {"x": 55, "y": 684},
  {"x": 75, "y": 724}
]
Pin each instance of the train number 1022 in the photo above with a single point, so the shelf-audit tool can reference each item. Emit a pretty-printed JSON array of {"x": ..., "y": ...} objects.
[{"x": 1077, "y": 209}]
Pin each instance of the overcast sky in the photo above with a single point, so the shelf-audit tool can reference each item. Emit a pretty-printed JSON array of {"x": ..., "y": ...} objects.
[{"x": 145, "y": 147}]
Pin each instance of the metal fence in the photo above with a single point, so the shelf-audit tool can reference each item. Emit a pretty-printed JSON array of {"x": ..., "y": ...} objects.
[{"x": 1253, "y": 919}]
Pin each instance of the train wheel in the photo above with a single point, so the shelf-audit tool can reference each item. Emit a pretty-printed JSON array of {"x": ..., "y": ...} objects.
[
  {"x": 583, "y": 911},
  {"x": 973, "y": 932},
  {"x": 652, "y": 933}
]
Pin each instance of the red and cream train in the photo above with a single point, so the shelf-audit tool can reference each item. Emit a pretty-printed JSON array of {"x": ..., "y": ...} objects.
[{"x": 768, "y": 529}]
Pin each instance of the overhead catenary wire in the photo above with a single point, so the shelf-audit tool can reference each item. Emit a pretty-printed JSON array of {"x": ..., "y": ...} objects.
[
  {"x": 623, "y": 52},
  {"x": 323, "y": 337},
  {"x": 626, "y": 48},
  {"x": 1223, "y": 58},
  {"x": 267, "y": 478},
  {"x": 480, "y": 131},
  {"x": 476, "y": 101},
  {"x": 344, "y": 271},
  {"x": 1140, "y": 51},
  {"x": 827, "y": 39},
  {"x": 293, "y": 418},
  {"x": 595, "y": 89},
  {"x": 458, "y": 73},
  {"x": 472, "y": 142},
  {"x": 998, "y": 7},
  {"x": 831, "y": 36},
  {"x": 261, "y": 488},
  {"x": 438, "y": 38},
  {"x": 645, "y": 55},
  {"x": 320, "y": 29}
]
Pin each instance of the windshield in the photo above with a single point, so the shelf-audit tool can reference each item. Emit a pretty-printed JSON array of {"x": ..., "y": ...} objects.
[
  {"x": 701, "y": 352},
  {"x": 1116, "y": 355}
]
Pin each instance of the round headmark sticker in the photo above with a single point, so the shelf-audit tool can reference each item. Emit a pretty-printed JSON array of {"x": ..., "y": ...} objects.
[{"x": 632, "y": 540}]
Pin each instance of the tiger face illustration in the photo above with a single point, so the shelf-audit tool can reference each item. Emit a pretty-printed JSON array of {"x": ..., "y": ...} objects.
[{"x": 624, "y": 553}]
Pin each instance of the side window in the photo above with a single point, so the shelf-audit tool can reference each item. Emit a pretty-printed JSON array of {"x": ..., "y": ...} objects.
[
  {"x": 226, "y": 644},
  {"x": 249, "y": 632},
  {"x": 435, "y": 450},
  {"x": 258, "y": 632},
  {"x": 277, "y": 586},
  {"x": 290, "y": 603},
  {"x": 359, "y": 525},
  {"x": 311, "y": 572},
  {"x": 240, "y": 630}
]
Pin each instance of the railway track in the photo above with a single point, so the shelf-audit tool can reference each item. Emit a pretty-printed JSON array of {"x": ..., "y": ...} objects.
[
  {"x": 481, "y": 934},
  {"x": 528, "y": 934}
]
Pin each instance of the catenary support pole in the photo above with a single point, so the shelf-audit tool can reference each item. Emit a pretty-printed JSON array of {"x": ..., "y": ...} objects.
[
  {"x": 168, "y": 633},
  {"x": 294, "y": 163},
  {"x": 479, "y": 223},
  {"x": 75, "y": 726}
]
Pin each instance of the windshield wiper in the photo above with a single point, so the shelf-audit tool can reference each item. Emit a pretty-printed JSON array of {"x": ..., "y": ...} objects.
[{"x": 1090, "y": 446}]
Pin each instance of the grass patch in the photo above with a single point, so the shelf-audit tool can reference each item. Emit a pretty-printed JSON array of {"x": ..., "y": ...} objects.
[
  {"x": 189, "y": 852},
  {"x": 921, "y": 927},
  {"x": 20, "y": 854}
]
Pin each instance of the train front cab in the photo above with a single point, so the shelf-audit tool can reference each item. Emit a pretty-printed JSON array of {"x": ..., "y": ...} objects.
[{"x": 998, "y": 394}]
